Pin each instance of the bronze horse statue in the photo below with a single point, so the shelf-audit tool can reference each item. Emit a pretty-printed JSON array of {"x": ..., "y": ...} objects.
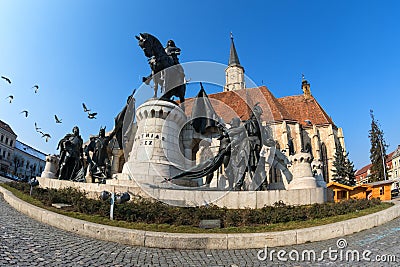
[{"x": 164, "y": 72}]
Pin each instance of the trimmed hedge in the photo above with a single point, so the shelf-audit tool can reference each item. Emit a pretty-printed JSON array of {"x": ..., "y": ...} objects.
[{"x": 144, "y": 210}]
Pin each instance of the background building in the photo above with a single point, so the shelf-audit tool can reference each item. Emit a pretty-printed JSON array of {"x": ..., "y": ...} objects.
[
  {"x": 27, "y": 161},
  {"x": 17, "y": 158},
  {"x": 395, "y": 172},
  {"x": 7, "y": 143},
  {"x": 392, "y": 166}
]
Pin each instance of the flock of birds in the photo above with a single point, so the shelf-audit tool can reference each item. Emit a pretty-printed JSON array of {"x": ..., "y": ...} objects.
[
  {"x": 90, "y": 115},
  {"x": 46, "y": 136}
]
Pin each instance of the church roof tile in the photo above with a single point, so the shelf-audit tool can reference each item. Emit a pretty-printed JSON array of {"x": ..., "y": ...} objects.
[
  {"x": 238, "y": 103},
  {"x": 303, "y": 109}
]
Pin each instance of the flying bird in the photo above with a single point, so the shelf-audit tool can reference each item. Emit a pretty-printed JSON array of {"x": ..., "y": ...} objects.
[
  {"x": 36, "y": 88},
  {"x": 10, "y": 98},
  {"x": 6, "y": 79},
  {"x": 92, "y": 115},
  {"x": 57, "y": 119},
  {"x": 46, "y": 136},
  {"x": 26, "y": 113},
  {"x": 37, "y": 128},
  {"x": 85, "y": 109}
]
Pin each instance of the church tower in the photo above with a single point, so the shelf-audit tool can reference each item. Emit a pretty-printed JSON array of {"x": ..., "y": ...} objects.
[
  {"x": 234, "y": 73},
  {"x": 306, "y": 87}
]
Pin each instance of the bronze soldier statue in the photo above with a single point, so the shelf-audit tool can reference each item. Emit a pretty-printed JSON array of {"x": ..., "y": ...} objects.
[
  {"x": 234, "y": 156},
  {"x": 71, "y": 157},
  {"x": 254, "y": 136},
  {"x": 172, "y": 51},
  {"x": 99, "y": 163}
]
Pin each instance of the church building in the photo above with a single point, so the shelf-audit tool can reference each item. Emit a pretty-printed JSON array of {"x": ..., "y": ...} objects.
[{"x": 297, "y": 123}]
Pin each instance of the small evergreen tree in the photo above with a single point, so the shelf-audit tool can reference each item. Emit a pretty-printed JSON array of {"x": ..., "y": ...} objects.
[
  {"x": 377, "y": 152},
  {"x": 350, "y": 171},
  {"x": 338, "y": 164},
  {"x": 343, "y": 172}
]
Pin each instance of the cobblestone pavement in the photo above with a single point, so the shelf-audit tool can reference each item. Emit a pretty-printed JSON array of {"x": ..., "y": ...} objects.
[{"x": 26, "y": 242}]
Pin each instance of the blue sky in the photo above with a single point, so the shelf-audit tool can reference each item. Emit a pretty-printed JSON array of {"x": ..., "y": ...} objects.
[{"x": 85, "y": 51}]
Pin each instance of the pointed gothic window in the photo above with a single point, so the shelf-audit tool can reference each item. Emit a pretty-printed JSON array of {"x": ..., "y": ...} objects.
[
  {"x": 324, "y": 157},
  {"x": 308, "y": 149}
]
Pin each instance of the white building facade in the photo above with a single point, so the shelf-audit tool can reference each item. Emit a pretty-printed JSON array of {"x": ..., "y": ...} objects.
[
  {"x": 27, "y": 161},
  {"x": 7, "y": 143}
]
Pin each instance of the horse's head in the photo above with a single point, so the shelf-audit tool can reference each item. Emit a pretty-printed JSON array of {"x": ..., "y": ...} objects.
[{"x": 146, "y": 43}]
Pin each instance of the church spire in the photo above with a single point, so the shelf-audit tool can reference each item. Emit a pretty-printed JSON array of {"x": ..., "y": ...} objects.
[
  {"x": 234, "y": 73},
  {"x": 305, "y": 86},
  {"x": 233, "y": 57}
]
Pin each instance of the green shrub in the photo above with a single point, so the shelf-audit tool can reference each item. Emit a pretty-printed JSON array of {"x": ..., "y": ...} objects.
[{"x": 144, "y": 210}]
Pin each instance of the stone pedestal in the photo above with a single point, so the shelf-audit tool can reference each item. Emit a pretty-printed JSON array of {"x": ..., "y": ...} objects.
[
  {"x": 51, "y": 167},
  {"x": 302, "y": 173},
  {"x": 156, "y": 152}
]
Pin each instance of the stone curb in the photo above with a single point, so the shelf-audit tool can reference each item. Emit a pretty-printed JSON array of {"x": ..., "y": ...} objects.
[{"x": 201, "y": 241}]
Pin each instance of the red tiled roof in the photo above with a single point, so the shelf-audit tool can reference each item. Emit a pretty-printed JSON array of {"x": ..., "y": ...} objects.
[
  {"x": 367, "y": 167},
  {"x": 302, "y": 109},
  {"x": 238, "y": 103},
  {"x": 363, "y": 170},
  {"x": 226, "y": 104},
  {"x": 6, "y": 127}
]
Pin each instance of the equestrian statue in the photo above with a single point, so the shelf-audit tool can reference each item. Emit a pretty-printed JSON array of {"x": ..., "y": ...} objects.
[{"x": 165, "y": 68}]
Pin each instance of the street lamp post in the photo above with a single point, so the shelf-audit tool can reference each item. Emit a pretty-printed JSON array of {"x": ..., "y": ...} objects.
[
  {"x": 118, "y": 198},
  {"x": 33, "y": 183}
]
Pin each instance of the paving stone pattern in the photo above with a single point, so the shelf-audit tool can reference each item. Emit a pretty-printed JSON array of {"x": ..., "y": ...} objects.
[{"x": 26, "y": 242}]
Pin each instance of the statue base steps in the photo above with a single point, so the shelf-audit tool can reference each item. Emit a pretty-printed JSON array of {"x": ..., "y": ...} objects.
[{"x": 199, "y": 196}]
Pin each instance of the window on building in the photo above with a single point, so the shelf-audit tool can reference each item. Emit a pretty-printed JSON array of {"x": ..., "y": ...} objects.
[
  {"x": 382, "y": 190},
  {"x": 6, "y": 140},
  {"x": 308, "y": 148},
  {"x": 4, "y": 154},
  {"x": 9, "y": 155},
  {"x": 2, "y": 138},
  {"x": 276, "y": 174},
  {"x": 291, "y": 147},
  {"x": 11, "y": 142}
]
